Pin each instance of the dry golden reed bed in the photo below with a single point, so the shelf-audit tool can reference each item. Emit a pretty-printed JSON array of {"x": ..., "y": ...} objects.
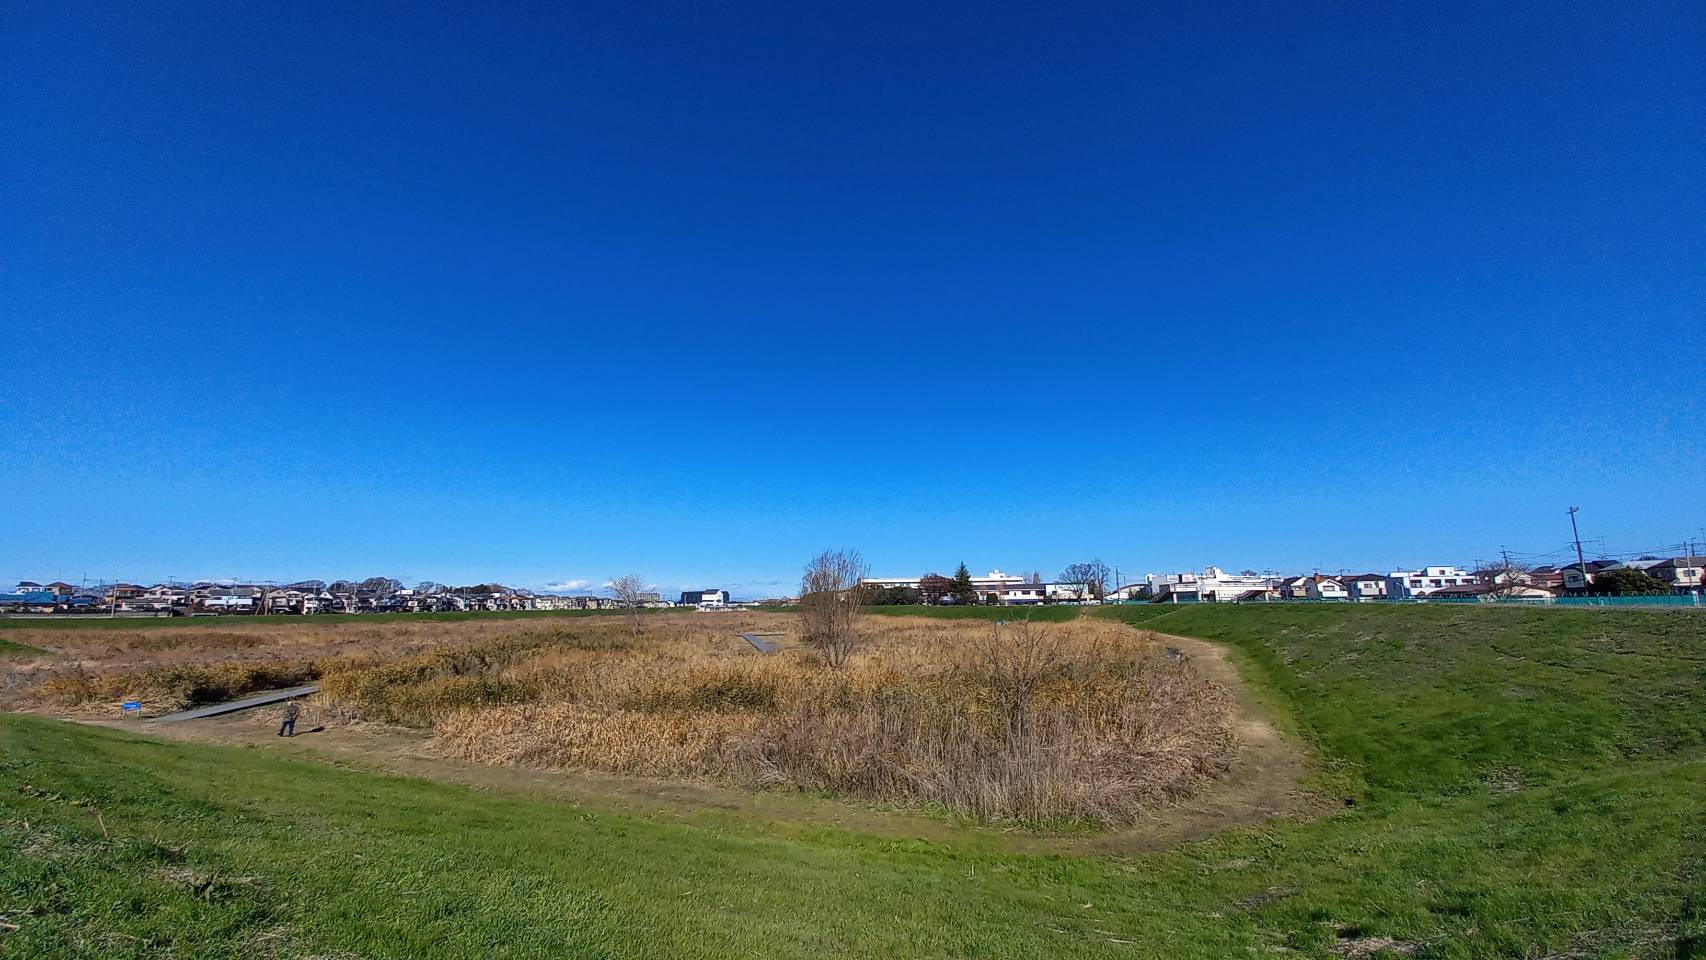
[{"x": 918, "y": 715}]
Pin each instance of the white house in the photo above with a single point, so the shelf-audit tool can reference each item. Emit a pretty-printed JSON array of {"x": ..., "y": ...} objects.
[
  {"x": 1363, "y": 587},
  {"x": 1410, "y": 584},
  {"x": 705, "y": 599},
  {"x": 230, "y": 599},
  {"x": 1322, "y": 587}
]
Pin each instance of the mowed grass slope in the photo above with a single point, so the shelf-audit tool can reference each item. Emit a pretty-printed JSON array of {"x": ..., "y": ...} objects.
[
  {"x": 1578, "y": 833},
  {"x": 1452, "y": 698}
]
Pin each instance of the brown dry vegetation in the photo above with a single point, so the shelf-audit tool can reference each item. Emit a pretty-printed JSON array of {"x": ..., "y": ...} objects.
[{"x": 922, "y": 713}]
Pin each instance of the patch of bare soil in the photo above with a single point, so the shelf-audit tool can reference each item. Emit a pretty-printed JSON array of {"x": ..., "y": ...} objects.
[{"x": 1262, "y": 783}]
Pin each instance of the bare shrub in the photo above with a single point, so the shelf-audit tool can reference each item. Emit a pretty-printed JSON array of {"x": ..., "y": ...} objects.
[
  {"x": 1014, "y": 657},
  {"x": 831, "y": 600},
  {"x": 629, "y": 591}
]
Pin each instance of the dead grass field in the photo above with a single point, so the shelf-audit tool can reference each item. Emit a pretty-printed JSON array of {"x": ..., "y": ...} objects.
[{"x": 920, "y": 716}]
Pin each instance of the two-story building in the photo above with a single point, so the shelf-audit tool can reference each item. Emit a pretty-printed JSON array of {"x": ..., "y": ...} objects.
[
  {"x": 1410, "y": 584},
  {"x": 705, "y": 599},
  {"x": 1322, "y": 587},
  {"x": 1212, "y": 585},
  {"x": 1364, "y": 587},
  {"x": 1681, "y": 574}
]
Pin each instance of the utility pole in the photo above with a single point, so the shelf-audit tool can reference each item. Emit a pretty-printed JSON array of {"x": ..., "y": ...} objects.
[{"x": 1576, "y": 534}]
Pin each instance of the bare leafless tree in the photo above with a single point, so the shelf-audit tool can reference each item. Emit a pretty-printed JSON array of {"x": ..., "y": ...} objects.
[
  {"x": 1507, "y": 579},
  {"x": 832, "y": 597},
  {"x": 629, "y": 591},
  {"x": 1016, "y": 656},
  {"x": 1093, "y": 575}
]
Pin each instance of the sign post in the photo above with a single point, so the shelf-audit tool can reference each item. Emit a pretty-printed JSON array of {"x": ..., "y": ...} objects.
[{"x": 132, "y": 706}]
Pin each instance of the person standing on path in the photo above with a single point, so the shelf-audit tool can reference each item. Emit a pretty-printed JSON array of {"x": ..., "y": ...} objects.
[{"x": 291, "y": 711}]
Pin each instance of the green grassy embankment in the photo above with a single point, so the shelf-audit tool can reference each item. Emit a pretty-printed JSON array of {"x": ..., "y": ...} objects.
[{"x": 1524, "y": 784}]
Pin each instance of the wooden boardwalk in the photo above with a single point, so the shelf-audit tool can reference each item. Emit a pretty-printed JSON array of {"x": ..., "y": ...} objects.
[
  {"x": 247, "y": 703},
  {"x": 760, "y": 644}
]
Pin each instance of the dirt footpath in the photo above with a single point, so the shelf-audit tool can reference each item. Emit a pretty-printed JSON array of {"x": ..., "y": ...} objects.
[{"x": 1261, "y": 784}]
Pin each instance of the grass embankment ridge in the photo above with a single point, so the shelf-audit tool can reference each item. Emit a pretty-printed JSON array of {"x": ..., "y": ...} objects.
[
  {"x": 1443, "y": 699},
  {"x": 1548, "y": 841}
]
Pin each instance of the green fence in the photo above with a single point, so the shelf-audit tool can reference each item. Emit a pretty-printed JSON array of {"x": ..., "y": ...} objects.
[{"x": 1658, "y": 600}]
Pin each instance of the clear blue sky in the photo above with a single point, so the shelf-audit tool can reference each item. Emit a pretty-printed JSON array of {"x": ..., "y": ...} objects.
[{"x": 697, "y": 290}]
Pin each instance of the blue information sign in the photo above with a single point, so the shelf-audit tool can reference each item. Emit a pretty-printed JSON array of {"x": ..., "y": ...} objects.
[{"x": 132, "y": 706}]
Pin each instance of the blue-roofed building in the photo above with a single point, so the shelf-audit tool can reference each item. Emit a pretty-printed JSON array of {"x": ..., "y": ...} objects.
[{"x": 32, "y": 600}]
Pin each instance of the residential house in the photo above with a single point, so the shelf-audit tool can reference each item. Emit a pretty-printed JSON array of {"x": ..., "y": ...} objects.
[
  {"x": 705, "y": 599},
  {"x": 231, "y": 599},
  {"x": 60, "y": 588},
  {"x": 1549, "y": 578},
  {"x": 1412, "y": 584},
  {"x": 284, "y": 601},
  {"x": 1294, "y": 588},
  {"x": 1511, "y": 590},
  {"x": 1680, "y": 574},
  {"x": 1363, "y": 587},
  {"x": 1323, "y": 587},
  {"x": 1517, "y": 590},
  {"x": 1579, "y": 577},
  {"x": 29, "y": 601},
  {"x": 1462, "y": 591},
  {"x": 159, "y": 598}
]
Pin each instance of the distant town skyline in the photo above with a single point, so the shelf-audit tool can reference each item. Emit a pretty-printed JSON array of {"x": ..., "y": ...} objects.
[{"x": 780, "y": 585}]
